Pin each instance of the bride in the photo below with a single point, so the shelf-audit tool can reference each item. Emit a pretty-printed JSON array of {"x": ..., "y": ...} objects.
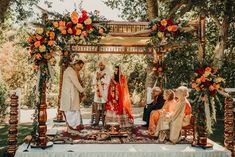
[{"x": 118, "y": 107}]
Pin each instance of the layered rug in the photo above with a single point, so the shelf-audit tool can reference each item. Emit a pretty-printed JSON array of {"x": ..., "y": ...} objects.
[{"x": 99, "y": 135}]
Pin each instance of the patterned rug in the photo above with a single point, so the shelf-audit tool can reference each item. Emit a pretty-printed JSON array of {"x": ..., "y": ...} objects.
[{"x": 99, "y": 135}]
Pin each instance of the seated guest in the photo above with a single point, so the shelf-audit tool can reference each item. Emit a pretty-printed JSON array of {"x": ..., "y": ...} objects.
[
  {"x": 168, "y": 108},
  {"x": 182, "y": 114},
  {"x": 157, "y": 103}
]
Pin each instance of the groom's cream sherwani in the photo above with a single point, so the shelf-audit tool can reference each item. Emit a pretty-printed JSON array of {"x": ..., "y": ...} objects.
[{"x": 70, "y": 101}]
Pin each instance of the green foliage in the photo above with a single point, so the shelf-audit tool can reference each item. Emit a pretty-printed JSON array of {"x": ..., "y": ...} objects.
[
  {"x": 180, "y": 65},
  {"x": 3, "y": 97}
]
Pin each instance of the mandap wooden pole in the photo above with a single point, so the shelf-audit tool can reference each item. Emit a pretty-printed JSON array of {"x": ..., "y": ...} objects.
[
  {"x": 229, "y": 125},
  {"x": 201, "y": 36},
  {"x": 12, "y": 131},
  {"x": 59, "y": 116},
  {"x": 42, "y": 117}
]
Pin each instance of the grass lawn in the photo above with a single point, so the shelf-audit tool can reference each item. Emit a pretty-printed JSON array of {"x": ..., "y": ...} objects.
[{"x": 23, "y": 130}]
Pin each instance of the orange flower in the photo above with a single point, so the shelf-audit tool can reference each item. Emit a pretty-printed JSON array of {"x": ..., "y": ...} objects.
[
  {"x": 63, "y": 31},
  {"x": 74, "y": 17},
  {"x": 194, "y": 85},
  {"x": 55, "y": 24},
  {"x": 84, "y": 33},
  {"x": 62, "y": 23},
  {"x": 198, "y": 81},
  {"x": 208, "y": 69},
  {"x": 39, "y": 37},
  {"x": 174, "y": 28},
  {"x": 50, "y": 42},
  {"x": 52, "y": 35},
  {"x": 38, "y": 56},
  {"x": 30, "y": 40},
  {"x": 78, "y": 31},
  {"x": 70, "y": 31},
  {"x": 203, "y": 79},
  {"x": 216, "y": 86},
  {"x": 37, "y": 44},
  {"x": 169, "y": 28},
  {"x": 164, "y": 22}
]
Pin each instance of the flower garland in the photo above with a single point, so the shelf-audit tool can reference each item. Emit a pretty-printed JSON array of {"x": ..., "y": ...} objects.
[{"x": 167, "y": 32}]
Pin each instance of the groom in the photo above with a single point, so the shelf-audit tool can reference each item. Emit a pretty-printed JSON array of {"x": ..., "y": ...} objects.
[
  {"x": 70, "y": 95},
  {"x": 100, "y": 82}
]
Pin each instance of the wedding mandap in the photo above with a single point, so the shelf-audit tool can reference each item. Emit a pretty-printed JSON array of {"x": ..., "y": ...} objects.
[{"x": 121, "y": 38}]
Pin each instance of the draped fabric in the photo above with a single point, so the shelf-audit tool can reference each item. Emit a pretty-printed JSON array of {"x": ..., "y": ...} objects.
[{"x": 118, "y": 107}]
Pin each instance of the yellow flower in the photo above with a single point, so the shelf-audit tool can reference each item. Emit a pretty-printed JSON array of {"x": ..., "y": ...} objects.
[
  {"x": 160, "y": 34},
  {"x": 79, "y": 25},
  {"x": 218, "y": 80},
  {"x": 207, "y": 73},
  {"x": 198, "y": 81},
  {"x": 42, "y": 48},
  {"x": 55, "y": 24},
  {"x": 164, "y": 22},
  {"x": 88, "y": 21},
  {"x": 197, "y": 89},
  {"x": 211, "y": 88},
  {"x": 39, "y": 30}
]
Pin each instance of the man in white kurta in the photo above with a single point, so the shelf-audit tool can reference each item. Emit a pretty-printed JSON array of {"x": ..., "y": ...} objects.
[
  {"x": 100, "y": 83},
  {"x": 70, "y": 98}
]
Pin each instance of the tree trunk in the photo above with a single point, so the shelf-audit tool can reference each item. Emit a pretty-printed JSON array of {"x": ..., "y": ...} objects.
[
  {"x": 152, "y": 9},
  {"x": 223, "y": 35},
  {"x": 4, "y": 5}
]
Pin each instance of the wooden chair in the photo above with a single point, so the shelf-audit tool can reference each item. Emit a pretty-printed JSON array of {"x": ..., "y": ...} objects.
[{"x": 189, "y": 129}]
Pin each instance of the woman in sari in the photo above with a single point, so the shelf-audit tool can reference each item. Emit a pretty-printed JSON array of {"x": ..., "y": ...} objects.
[
  {"x": 168, "y": 108},
  {"x": 118, "y": 107}
]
